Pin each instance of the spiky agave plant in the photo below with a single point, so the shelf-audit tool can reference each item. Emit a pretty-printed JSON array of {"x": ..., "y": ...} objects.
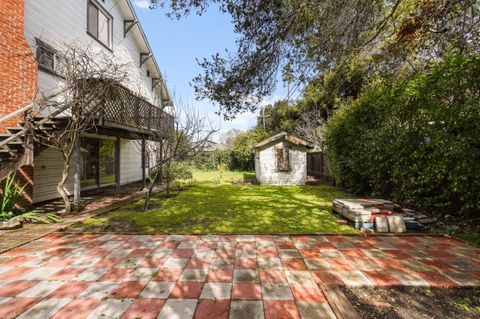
[{"x": 10, "y": 195}]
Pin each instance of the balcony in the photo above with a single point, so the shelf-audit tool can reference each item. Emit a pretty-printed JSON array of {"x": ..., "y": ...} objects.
[{"x": 133, "y": 114}]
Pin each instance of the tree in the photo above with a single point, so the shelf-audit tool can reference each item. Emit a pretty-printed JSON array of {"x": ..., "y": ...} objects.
[
  {"x": 189, "y": 134},
  {"x": 89, "y": 77},
  {"x": 228, "y": 138},
  {"x": 243, "y": 152},
  {"x": 312, "y": 128},
  {"x": 305, "y": 38}
]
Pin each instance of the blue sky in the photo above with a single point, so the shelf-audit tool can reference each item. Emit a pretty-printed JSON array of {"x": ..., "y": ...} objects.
[{"x": 177, "y": 43}]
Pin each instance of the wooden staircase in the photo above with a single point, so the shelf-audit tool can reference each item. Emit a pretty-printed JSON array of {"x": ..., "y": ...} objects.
[{"x": 16, "y": 143}]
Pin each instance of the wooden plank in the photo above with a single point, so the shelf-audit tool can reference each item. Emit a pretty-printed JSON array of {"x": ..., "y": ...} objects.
[{"x": 340, "y": 305}]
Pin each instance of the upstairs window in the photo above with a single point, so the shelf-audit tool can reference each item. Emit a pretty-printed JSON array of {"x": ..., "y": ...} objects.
[
  {"x": 47, "y": 57},
  {"x": 99, "y": 24},
  {"x": 282, "y": 156}
]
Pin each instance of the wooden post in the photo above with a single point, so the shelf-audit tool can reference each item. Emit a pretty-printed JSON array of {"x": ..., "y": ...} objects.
[
  {"x": 143, "y": 164},
  {"x": 117, "y": 165},
  {"x": 76, "y": 178}
]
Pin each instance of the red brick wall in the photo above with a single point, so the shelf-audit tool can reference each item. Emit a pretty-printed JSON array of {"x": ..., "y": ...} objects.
[
  {"x": 18, "y": 67},
  {"x": 18, "y": 76}
]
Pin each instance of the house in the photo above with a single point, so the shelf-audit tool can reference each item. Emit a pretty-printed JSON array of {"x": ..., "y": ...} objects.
[
  {"x": 282, "y": 160},
  {"x": 113, "y": 152}
]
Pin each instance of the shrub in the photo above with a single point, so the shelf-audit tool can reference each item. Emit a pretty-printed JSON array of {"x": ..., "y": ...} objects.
[{"x": 414, "y": 139}]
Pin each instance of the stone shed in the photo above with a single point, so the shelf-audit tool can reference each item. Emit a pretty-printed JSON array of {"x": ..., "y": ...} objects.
[{"x": 282, "y": 160}]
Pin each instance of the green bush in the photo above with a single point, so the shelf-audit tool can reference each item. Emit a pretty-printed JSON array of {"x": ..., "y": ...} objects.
[
  {"x": 209, "y": 160},
  {"x": 414, "y": 139}
]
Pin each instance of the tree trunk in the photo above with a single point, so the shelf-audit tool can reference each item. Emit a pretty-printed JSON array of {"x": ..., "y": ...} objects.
[
  {"x": 61, "y": 188},
  {"x": 76, "y": 179}
]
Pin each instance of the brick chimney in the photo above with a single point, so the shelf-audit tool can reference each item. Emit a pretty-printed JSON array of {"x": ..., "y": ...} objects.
[
  {"x": 18, "y": 67},
  {"x": 18, "y": 77}
]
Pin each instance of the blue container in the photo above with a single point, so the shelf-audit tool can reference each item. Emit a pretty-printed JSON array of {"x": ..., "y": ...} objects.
[
  {"x": 368, "y": 225},
  {"x": 412, "y": 224}
]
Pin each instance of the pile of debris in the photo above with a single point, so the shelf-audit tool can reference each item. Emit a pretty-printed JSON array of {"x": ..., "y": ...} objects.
[{"x": 382, "y": 215}]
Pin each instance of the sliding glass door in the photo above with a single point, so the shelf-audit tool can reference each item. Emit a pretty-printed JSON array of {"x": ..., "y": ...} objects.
[{"x": 98, "y": 158}]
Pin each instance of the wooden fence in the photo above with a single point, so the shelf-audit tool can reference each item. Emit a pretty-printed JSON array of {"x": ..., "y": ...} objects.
[{"x": 319, "y": 167}]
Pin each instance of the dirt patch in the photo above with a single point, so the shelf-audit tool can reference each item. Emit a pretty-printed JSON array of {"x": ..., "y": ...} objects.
[{"x": 415, "y": 303}]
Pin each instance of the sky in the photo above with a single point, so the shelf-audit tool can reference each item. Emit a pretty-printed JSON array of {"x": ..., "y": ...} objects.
[{"x": 176, "y": 45}]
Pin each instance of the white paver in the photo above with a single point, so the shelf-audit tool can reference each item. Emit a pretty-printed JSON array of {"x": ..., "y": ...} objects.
[
  {"x": 111, "y": 308},
  {"x": 216, "y": 291},
  {"x": 42, "y": 289},
  {"x": 45, "y": 308},
  {"x": 178, "y": 309},
  {"x": 157, "y": 289},
  {"x": 99, "y": 290}
]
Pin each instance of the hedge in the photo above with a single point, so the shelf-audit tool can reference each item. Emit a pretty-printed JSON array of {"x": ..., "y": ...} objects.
[{"x": 414, "y": 139}]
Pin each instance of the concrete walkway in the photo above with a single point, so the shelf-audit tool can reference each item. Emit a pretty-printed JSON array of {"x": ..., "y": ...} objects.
[{"x": 245, "y": 276}]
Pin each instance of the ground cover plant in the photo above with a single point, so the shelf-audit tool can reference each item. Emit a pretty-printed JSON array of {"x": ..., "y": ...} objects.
[{"x": 227, "y": 205}]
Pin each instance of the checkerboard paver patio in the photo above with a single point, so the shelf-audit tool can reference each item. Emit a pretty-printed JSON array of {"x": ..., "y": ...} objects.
[{"x": 215, "y": 276}]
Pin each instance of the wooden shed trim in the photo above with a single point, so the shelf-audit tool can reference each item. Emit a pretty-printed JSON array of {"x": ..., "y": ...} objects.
[{"x": 287, "y": 137}]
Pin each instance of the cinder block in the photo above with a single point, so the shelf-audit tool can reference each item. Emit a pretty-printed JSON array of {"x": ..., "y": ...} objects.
[
  {"x": 396, "y": 224},
  {"x": 381, "y": 224}
]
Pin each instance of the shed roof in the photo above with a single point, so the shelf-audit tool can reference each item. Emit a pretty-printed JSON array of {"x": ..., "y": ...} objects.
[{"x": 286, "y": 137}]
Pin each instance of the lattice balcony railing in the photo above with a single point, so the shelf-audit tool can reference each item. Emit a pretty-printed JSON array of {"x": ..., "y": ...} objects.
[{"x": 124, "y": 108}]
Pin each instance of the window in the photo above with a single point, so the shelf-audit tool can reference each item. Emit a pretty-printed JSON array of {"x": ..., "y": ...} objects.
[
  {"x": 282, "y": 155},
  {"x": 99, "y": 24},
  {"x": 47, "y": 57}
]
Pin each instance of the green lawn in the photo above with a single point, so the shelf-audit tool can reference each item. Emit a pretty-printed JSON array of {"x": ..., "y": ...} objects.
[{"x": 216, "y": 205}]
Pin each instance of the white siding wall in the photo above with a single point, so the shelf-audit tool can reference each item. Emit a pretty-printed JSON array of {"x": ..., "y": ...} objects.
[
  {"x": 266, "y": 170},
  {"x": 63, "y": 22},
  {"x": 48, "y": 166},
  {"x": 130, "y": 161}
]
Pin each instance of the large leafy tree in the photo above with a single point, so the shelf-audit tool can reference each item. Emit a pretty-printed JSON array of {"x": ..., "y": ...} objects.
[{"x": 304, "y": 38}]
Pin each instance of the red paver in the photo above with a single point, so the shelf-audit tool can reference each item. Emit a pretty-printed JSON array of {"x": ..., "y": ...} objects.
[
  {"x": 199, "y": 263},
  {"x": 293, "y": 264},
  {"x": 170, "y": 274},
  {"x": 140, "y": 253},
  {"x": 326, "y": 246},
  {"x": 381, "y": 278},
  {"x": 78, "y": 308},
  {"x": 107, "y": 262},
  {"x": 281, "y": 310},
  {"x": 144, "y": 309},
  {"x": 325, "y": 277},
  {"x": 16, "y": 273},
  {"x": 14, "y": 307},
  {"x": 66, "y": 274},
  {"x": 186, "y": 290},
  {"x": 225, "y": 253},
  {"x": 152, "y": 262},
  {"x": 310, "y": 253},
  {"x": 129, "y": 289},
  {"x": 15, "y": 287},
  {"x": 182, "y": 253},
  {"x": 116, "y": 274},
  {"x": 267, "y": 253},
  {"x": 341, "y": 264},
  {"x": 246, "y": 291},
  {"x": 354, "y": 254},
  {"x": 307, "y": 292},
  {"x": 273, "y": 275},
  {"x": 208, "y": 309},
  {"x": 432, "y": 261},
  {"x": 70, "y": 289}
]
